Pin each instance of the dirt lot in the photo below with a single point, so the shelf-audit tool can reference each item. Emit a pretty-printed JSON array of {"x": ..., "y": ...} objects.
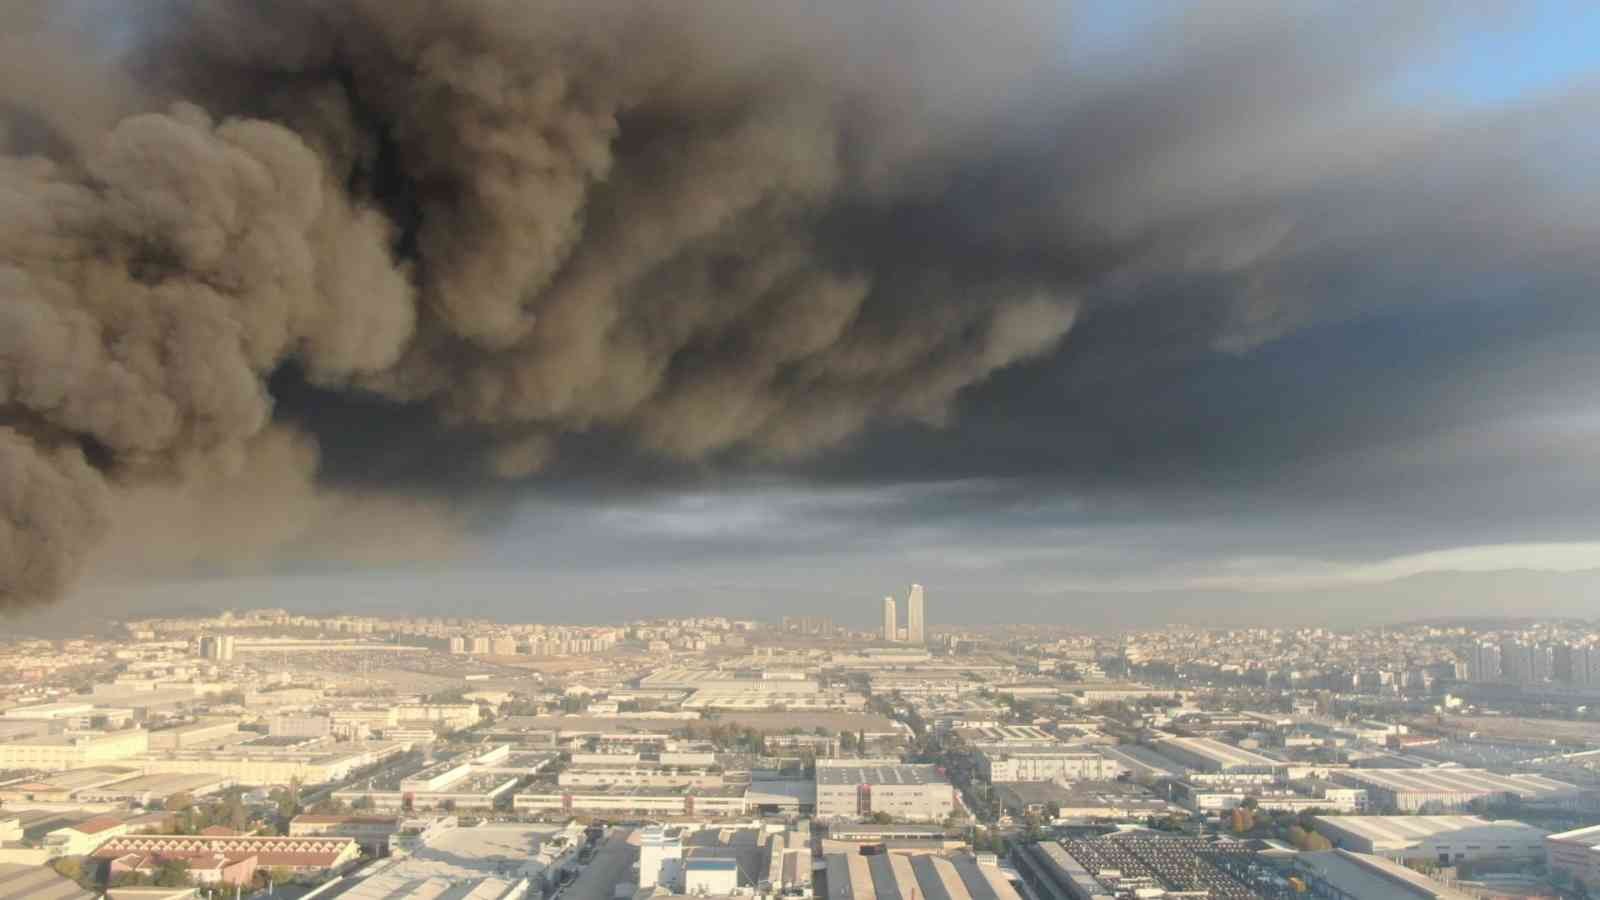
[{"x": 1513, "y": 728}]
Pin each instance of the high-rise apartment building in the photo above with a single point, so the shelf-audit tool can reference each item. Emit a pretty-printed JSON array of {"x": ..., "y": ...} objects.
[
  {"x": 1586, "y": 666},
  {"x": 1484, "y": 663},
  {"x": 218, "y": 647},
  {"x": 916, "y": 626},
  {"x": 891, "y": 620}
]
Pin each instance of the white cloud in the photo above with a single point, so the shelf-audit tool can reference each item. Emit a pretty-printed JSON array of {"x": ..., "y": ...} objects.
[{"x": 1281, "y": 573}]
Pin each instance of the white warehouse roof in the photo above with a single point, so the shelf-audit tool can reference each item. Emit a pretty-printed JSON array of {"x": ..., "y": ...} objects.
[
  {"x": 1399, "y": 832},
  {"x": 1459, "y": 781}
]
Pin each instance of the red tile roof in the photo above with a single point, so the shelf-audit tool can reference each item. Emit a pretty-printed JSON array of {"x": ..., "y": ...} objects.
[{"x": 270, "y": 850}]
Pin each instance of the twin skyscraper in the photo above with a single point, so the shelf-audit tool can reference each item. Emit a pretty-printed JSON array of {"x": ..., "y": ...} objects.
[{"x": 916, "y": 630}]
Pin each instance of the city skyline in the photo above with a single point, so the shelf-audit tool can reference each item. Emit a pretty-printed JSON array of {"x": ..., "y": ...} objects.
[{"x": 260, "y": 747}]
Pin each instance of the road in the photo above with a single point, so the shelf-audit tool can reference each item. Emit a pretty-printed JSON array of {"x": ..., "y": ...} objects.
[{"x": 612, "y": 863}]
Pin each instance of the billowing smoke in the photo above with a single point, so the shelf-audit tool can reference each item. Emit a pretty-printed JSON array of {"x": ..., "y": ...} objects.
[
  {"x": 323, "y": 278},
  {"x": 530, "y": 219}
]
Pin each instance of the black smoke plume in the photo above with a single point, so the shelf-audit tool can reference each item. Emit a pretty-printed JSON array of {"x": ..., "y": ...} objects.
[{"x": 446, "y": 242}]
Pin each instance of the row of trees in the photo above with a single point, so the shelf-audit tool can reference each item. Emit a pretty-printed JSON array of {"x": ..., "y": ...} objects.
[
  {"x": 88, "y": 873},
  {"x": 1248, "y": 819}
]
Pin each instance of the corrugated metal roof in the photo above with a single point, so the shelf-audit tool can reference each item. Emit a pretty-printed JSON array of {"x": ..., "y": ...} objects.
[{"x": 18, "y": 882}]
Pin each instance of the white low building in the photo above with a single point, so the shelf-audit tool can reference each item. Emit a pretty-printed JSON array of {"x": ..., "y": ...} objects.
[
  {"x": 1047, "y": 765},
  {"x": 908, "y": 793},
  {"x": 1446, "y": 840},
  {"x": 1446, "y": 789}
]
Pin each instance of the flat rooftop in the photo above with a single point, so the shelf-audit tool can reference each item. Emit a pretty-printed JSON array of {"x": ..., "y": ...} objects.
[
  {"x": 322, "y": 754},
  {"x": 1134, "y": 757},
  {"x": 635, "y": 790},
  {"x": 171, "y": 783},
  {"x": 389, "y": 779},
  {"x": 475, "y": 783},
  {"x": 908, "y": 774},
  {"x": 523, "y": 761},
  {"x": 1374, "y": 876},
  {"x": 1459, "y": 781},
  {"x": 459, "y": 864},
  {"x": 78, "y": 779},
  {"x": 1222, "y": 754},
  {"x": 1397, "y": 832},
  {"x": 1004, "y": 734}
]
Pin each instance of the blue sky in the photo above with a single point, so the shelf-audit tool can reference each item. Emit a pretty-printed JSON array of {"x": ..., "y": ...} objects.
[
  {"x": 1488, "y": 53},
  {"x": 1522, "y": 49}
]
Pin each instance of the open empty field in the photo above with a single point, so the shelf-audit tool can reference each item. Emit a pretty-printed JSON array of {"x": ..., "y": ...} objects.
[{"x": 1517, "y": 728}]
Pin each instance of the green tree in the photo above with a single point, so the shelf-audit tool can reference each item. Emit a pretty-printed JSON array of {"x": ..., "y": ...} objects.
[
  {"x": 69, "y": 867},
  {"x": 171, "y": 873},
  {"x": 288, "y": 799},
  {"x": 330, "y": 806}
]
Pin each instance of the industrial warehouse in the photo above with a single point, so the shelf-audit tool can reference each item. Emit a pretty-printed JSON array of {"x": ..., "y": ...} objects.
[
  {"x": 911, "y": 793},
  {"x": 1446, "y": 840},
  {"x": 955, "y": 876},
  {"x": 1207, "y": 755},
  {"x": 1451, "y": 789}
]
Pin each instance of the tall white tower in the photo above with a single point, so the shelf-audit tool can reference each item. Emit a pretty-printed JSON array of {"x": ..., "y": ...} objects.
[
  {"x": 891, "y": 622},
  {"x": 916, "y": 625}
]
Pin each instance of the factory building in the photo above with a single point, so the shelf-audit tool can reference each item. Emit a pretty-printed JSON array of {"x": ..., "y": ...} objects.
[
  {"x": 1575, "y": 854},
  {"x": 1342, "y": 875},
  {"x": 53, "y": 753},
  {"x": 195, "y": 734},
  {"x": 1009, "y": 737},
  {"x": 899, "y": 876},
  {"x": 1066, "y": 765},
  {"x": 728, "y": 800},
  {"x": 265, "y": 762},
  {"x": 457, "y": 783},
  {"x": 910, "y": 793},
  {"x": 1451, "y": 789},
  {"x": 229, "y": 858},
  {"x": 1446, "y": 840},
  {"x": 1207, "y": 755},
  {"x": 372, "y": 832}
]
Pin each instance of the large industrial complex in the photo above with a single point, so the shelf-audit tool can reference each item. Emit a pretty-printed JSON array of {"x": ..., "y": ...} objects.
[{"x": 717, "y": 758}]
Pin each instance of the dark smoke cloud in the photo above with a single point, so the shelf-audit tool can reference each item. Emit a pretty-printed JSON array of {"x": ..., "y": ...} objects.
[
  {"x": 278, "y": 278},
  {"x": 528, "y": 219}
]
